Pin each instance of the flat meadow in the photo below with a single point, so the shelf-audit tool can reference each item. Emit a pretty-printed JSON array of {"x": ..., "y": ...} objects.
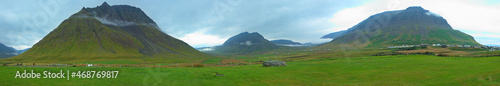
[{"x": 368, "y": 70}]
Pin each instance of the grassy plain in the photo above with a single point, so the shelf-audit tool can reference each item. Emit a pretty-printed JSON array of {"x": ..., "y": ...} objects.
[{"x": 370, "y": 70}]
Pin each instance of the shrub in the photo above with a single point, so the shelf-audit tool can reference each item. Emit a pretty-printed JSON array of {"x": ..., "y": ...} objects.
[
  {"x": 198, "y": 65},
  {"x": 443, "y": 55}
]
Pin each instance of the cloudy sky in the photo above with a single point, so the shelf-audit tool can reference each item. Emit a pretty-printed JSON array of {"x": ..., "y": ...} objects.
[{"x": 203, "y": 23}]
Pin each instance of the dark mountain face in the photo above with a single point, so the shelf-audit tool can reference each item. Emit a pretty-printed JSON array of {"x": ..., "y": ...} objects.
[
  {"x": 119, "y": 15},
  {"x": 6, "y": 52},
  {"x": 245, "y": 38},
  {"x": 418, "y": 15},
  {"x": 285, "y": 42},
  {"x": 334, "y": 35},
  {"x": 246, "y": 43},
  {"x": 411, "y": 26},
  {"x": 110, "y": 32}
]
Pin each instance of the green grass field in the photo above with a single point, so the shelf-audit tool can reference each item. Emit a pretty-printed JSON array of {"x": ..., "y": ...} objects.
[
  {"x": 380, "y": 70},
  {"x": 110, "y": 62}
]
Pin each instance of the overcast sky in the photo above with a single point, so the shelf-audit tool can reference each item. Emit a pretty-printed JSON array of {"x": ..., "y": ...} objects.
[{"x": 203, "y": 23}]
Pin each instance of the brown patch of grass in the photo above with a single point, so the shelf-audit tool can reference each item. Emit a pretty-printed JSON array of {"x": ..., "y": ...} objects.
[{"x": 445, "y": 51}]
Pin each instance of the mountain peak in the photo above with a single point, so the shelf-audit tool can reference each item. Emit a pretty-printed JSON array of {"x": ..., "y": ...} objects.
[
  {"x": 416, "y": 8},
  {"x": 255, "y": 33},
  {"x": 246, "y": 42},
  {"x": 250, "y": 33},
  {"x": 412, "y": 26},
  {"x": 105, "y": 4},
  {"x": 243, "y": 37},
  {"x": 117, "y": 15},
  {"x": 245, "y": 33}
]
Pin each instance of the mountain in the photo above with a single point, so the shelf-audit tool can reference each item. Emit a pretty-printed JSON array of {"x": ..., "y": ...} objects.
[
  {"x": 334, "y": 35},
  {"x": 244, "y": 43},
  {"x": 118, "y": 32},
  {"x": 6, "y": 52},
  {"x": 412, "y": 26},
  {"x": 22, "y": 51},
  {"x": 285, "y": 42}
]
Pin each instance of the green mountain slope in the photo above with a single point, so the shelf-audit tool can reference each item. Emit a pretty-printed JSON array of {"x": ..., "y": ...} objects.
[
  {"x": 411, "y": 26},
  {"x": 334, "y": 35},
  {"x": 109, "y": 33}
]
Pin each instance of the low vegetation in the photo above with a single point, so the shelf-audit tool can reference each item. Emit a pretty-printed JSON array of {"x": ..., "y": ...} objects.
[
  {"x": 213, "y": 60},
  {"x": 467, "y": 49},
  {"x": 412, "y": 48},
  {"x": 373, "y": 70}
]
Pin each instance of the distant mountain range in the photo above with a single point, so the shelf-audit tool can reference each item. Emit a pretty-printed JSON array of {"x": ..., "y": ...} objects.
[
  {"x": 22, "y": 51},
  {"x": 412, "y": 26},
  {"x": 285, "y": 42},
  {"x": 6, "y": 52},
  {"x": 107, "y": 33},
  {"x": 246, "y": 43},
  {"x": 290, "y": 43}
]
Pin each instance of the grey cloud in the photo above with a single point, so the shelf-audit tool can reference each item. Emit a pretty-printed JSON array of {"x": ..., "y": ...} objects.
[{"x": 272, "y": 18}]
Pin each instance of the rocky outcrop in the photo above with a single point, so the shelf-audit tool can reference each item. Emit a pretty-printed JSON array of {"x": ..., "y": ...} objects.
[{"x": 273, "y": 63}]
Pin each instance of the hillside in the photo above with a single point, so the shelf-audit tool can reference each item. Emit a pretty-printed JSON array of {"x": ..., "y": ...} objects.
[
  {"x": 412, "y": 26},
  {"x": 6, "y": 52},
  {"x": 108, "y": 33},
  {"x": 246, "y": 43},
  {"x": 334, "y": 35}
]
